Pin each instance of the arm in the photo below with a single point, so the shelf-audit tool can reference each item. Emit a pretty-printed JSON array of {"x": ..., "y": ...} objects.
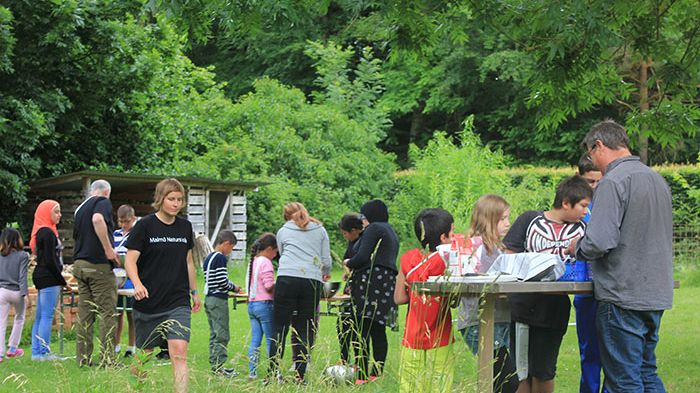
[
  {"x": 515, "y": 238},
  {"x": 23, "y": 269},
  {"x": 192, "y": 276},
  {"x": 401, "y": 289},
  {"x": 217, "y": 275},
  {"x": 326, "y": 257},
  {"x": 98, "y": 222},
  {"x": 46, "y": 244},
  {"x": 267, "y": 277},
  {"x": 369, "y": 243},
  {"x": 132, "y": 256},
  {"x": 603, "y": 229}
]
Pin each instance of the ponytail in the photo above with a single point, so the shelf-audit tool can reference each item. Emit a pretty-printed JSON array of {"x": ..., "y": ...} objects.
[{"x": 265, "y": 240}]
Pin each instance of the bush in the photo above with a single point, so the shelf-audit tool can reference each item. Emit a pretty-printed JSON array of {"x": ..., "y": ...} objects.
[{"x": 453, "y": 175}]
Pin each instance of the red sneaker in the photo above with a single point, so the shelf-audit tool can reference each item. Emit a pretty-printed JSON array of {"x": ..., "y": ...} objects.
[
  {"x": 17, "y": 353},
  {"x": 361, "y": 381}
]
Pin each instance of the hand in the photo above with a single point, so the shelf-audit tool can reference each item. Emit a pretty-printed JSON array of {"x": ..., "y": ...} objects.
[
  {"x": 196, "y": 303},
  {"x": 345, "y": 262},
  {"x": 140, "y": 292},
  {"x": 112, "y": 256},
  {"x": 326, "y": 277},
  {"x": 571, "y": 250}
]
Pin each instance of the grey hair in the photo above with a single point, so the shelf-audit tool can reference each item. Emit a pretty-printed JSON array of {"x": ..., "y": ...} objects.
[
  {"x": 611, "y": 134},
  {"x": 100, "y": 186}
]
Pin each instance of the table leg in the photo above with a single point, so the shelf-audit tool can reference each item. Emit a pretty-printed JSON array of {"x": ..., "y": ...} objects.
[{"x": 486, "y": 331}]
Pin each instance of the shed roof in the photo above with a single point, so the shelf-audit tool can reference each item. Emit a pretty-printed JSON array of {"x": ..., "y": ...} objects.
[{"x": 74, "y": 181}]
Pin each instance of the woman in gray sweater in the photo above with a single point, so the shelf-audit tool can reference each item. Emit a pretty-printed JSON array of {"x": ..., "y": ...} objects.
[
  {"x": 14, "y": 264},
  {"x": 305, "y": 261}
]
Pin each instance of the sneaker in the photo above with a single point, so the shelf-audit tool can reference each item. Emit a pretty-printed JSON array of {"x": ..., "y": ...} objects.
[
  {"x": 38, "y": 358},
  {"x": 17, "y": 353},
  {"x": 163, "y": 355},
  {"x": 128, "y": 353},
  {"x": 361, "y": 381},
  {"x": 226, "y": 372},
  {"x": 54, "y": 358}
]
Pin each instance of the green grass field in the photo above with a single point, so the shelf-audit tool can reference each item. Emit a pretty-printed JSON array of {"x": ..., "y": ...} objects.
[{"x": 678, "y": 358}]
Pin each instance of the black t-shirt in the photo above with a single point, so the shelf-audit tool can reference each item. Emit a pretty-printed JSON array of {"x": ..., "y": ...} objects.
[
  {"x": 532, "y": 232},
  {"x": 162, "y": 265},
  {"x": 87, "y": 244}
]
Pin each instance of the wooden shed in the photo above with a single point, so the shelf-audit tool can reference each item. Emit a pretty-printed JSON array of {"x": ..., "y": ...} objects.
[{"x": 211, "y": 205}]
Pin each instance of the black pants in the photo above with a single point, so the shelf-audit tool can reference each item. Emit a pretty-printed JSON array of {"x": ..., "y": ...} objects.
[
  {"x": 296, "y": 304},
  {"x": 505, "y": 378},
  {"x": 374, "y": 334},
  {"x": 347, "y": 332}
]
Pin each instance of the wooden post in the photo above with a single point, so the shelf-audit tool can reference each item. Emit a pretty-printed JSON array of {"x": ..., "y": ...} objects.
[
  {"x": 221, "y": 219},
  {"x": 486, "y": 326},
  {"x": 202, "y": 248}
]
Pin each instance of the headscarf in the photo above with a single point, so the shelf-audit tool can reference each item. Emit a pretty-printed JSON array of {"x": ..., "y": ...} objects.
[
  {"x": 42, "y": 218},
  {"x": 375, "y": 211}
]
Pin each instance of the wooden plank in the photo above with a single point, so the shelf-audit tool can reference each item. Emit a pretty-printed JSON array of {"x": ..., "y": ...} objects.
[
  {"x": 196, "y": 200},
  {"x": 195, "y": 210},
  {"x": 238, "y": 199},
  {"x": 220, "y": 221},
  {"x": 239, "y": 218},
  {"x": 238, "y": 209},
  {"x": 239, "y": 227}
]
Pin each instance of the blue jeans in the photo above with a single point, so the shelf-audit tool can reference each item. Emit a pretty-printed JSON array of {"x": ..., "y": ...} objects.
[
  {"x": 46, "y": 300},
  {"x": 501, "y": 336},
  {"x": 628, "y": 340},
  {"x": 586, "y": 306},
  {"x": 261, "y": 322}
]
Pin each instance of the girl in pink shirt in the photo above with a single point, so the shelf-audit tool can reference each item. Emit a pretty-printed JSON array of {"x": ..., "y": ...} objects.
[{"x": 261, "y": 286}]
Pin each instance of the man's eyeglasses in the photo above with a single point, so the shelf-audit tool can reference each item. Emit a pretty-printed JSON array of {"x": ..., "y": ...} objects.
[{"x": 590, "y": 151}]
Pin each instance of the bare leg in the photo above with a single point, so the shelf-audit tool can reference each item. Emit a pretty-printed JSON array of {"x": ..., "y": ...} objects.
[
  {"x": 120, "y": 325},
  {"x": 178, "y": 357},
  {"x": 132, "y": 329},
  {"x": 540, "y": 386},
  {"x": 524, "y": 386}
]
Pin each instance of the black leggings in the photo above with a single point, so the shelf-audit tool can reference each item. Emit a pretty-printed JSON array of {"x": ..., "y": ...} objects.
[
  {"x": 296, "y": 304},
  {"x": 374, "y": 333},
  {"x": 347, "y": 335}
]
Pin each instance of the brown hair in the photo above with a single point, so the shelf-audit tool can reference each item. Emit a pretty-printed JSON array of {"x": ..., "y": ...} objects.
[
  {"x": 265, "y": 240},
  {"x": 125, "y": 211},
  {"x": 296, "y": 212},
  {"x": 10, "y": 239},
  {"x": 486, "y": 214},
  {"x": 165, "y": 187}
]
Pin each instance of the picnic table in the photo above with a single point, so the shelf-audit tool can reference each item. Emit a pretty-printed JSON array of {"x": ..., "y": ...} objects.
[
  {"x": 330, "y": 301},
  {"x": 490, "y": 292}
]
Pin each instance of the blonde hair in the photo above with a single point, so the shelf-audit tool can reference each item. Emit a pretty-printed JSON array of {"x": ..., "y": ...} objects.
[
  {"x": 296, "y": 212},
  {"x": 488, "y": 211},
  {"x": 165, "y": 187}
]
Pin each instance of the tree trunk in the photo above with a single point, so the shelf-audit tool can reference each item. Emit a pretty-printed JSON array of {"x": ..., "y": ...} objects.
[
  {"x": 417, "y": 123},
  {"x": 643, "y": 107}
]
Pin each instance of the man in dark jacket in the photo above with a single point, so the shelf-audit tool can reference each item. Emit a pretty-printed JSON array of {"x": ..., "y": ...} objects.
[{"x": 94, "y": 257}]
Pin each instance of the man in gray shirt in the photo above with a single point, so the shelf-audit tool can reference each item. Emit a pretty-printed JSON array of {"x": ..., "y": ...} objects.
[{"x": 629, "y": 244}]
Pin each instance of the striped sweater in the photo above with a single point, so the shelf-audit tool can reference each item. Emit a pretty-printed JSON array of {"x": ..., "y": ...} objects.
[{"x": 216, "y": 282}]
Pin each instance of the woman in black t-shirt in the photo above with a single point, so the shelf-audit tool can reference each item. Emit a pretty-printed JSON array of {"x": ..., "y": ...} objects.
[{"x": 159, "y": 263}]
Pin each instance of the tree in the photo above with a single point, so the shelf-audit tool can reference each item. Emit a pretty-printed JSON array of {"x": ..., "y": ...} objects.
[{"x": 640, "y": 58}]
